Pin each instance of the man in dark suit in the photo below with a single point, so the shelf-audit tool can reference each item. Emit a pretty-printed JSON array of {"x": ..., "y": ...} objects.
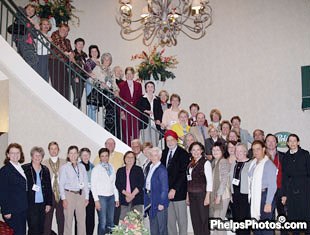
[{"x": 176, "y": 160}]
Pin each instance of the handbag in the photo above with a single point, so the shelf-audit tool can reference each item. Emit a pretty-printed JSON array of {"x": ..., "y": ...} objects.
[
  {"x": 95, "y": 98},
  {"x": 16, "y": 28}
]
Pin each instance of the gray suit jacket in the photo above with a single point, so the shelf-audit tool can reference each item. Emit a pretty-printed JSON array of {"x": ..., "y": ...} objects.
[{"x": 195, "y": 130}]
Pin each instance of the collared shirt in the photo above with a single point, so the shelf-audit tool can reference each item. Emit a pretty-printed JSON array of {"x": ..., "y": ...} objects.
[
  {"x": 130, "y": 86},
  {"x": 150, "y": 174},
  {"x": 74, "y": 179}
]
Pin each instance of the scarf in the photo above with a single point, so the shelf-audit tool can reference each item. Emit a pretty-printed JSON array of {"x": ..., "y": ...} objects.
[
  {"x": 55, "y": 186},
  {"x": 107, "y": 167},
  {"x": 255, "y": 186}
]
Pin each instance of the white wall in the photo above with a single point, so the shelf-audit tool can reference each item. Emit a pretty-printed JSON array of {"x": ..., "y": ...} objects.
[
  {"x": 38, "y": 114},
  {"x": 247, "y": 64}
]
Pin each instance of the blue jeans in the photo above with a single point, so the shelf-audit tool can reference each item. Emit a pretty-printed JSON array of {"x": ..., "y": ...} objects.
[{"x": 106, "y": 214}]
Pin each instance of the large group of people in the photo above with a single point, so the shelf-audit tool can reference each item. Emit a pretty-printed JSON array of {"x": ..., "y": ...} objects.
[{"x": 157, "y": 183}]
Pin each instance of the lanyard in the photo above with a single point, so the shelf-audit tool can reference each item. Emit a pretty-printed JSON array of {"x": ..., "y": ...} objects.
[
  {"x": 77, "y": 172},
  {"x": 192, "y": 167}
]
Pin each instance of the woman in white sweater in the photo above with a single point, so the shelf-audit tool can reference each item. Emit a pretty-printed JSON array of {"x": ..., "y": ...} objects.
[{"x": 104, "y": 192}]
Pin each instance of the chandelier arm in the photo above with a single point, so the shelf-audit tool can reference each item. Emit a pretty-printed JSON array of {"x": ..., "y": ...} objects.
[
  {"x": 129, "y": 39},
  {"x": 152, "y": 38}
]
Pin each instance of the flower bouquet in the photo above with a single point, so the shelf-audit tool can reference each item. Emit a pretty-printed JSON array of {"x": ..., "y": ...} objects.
[
  {"x": 155, "y": 64},
  {"x": 61, "y": 10},
  {"x": 131, "y": 225}
]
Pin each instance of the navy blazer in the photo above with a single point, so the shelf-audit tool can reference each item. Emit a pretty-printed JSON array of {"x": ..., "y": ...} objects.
[
  {"x": 136, "y": 178},
  {"x": 13, "y": 190},
  {"x": 177, "y": 172},
  {"x": 45, "y": 183},
  {"x": 159, "y": 190}
]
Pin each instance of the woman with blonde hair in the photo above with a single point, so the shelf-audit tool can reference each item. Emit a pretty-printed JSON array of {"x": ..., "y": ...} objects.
[
  {"x": 181, "y": 127},
  {"x": 43, "y": 49}
]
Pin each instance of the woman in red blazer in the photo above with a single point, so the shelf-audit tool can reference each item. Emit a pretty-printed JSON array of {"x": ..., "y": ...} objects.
[{"x": 130, "y": 91}]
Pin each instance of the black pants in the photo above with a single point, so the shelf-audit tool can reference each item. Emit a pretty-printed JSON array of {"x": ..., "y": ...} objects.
[
  {"x": 240, "y": 210},
  {"x": 90, "y": 216},
  {"x": 60, "y": 218},
  {"x": 77, "y": 88},
  {"x": 35, "y": 219},
  {"x": 199, "y": 213},
  {"x": 60, "y": 77}
]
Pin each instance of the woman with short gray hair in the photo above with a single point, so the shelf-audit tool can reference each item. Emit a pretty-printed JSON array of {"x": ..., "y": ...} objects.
[
  {"x": 39, "y": 191},
  {"x": 105, "y": 81},
  {"x": 239, "y": 186}
]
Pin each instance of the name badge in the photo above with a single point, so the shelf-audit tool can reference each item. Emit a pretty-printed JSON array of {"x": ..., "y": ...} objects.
[
  {"x": 109, "y": 84},
  {"x": 235, "y": 182},
  {"x": 277, "y": 171},
  {"x": 36, "y": 188},
  {"x": 81, "y": 185},
  {"x": 172, "y": 122},
  {"x": 189, "y": 177}
]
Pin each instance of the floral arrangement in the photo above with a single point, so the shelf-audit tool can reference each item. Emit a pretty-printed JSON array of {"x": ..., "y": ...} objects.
[
  {"x": 61, "y": 10},
  {"x": 155, "y": 64},
  {"x": 131, "y": 225}
]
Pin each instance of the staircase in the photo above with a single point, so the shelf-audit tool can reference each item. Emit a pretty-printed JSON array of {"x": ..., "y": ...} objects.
[{"x": 105, "y": 99}]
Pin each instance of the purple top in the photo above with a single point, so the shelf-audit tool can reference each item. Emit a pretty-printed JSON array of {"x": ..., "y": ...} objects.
[{"x": 89, "y": 65}]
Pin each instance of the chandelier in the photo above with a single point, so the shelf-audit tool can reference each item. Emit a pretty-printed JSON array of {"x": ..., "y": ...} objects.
[{"x": 163, "y": 20}]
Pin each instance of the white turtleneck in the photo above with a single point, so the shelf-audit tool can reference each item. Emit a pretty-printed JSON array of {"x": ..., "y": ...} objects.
[{"x": 54, "y": 159}]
